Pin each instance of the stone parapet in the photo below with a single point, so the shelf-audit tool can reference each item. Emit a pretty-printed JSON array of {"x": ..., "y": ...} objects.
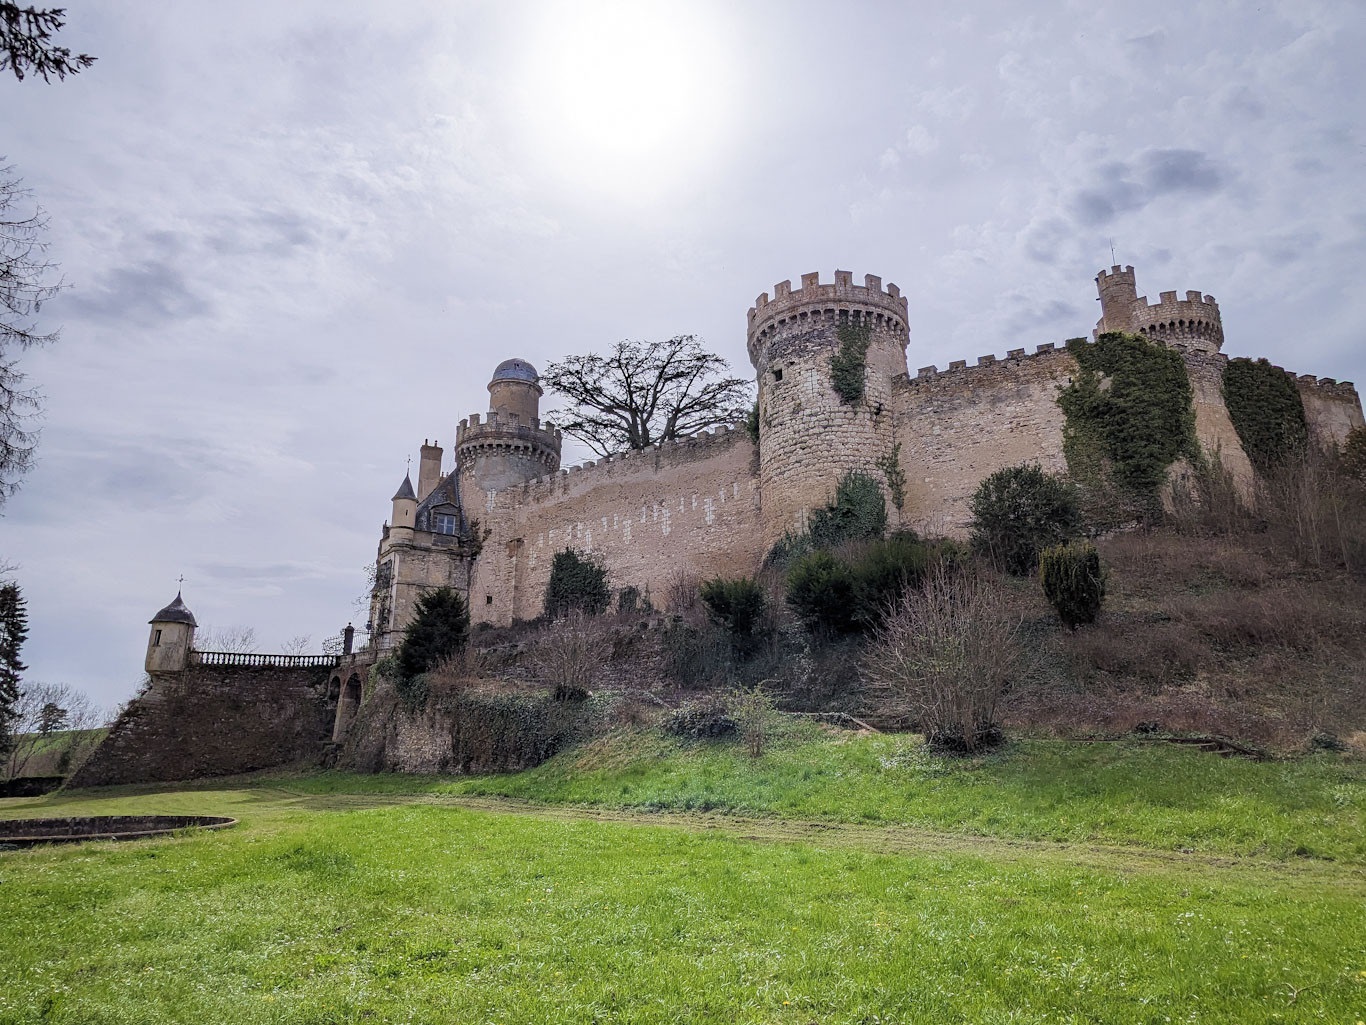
[
  {"x": 591, "y": 471},
  {"x": 887, "y": 310}
]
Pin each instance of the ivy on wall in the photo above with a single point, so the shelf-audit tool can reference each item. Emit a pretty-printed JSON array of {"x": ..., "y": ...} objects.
[
  {"x": 1266, "y": 411},
  {"x": 1129, "y": 416},
  {"x": 890, "y": 465},
  {"x": 850, "y": 362}
]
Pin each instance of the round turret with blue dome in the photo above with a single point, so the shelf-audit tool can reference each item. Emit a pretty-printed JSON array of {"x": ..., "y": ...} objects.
[{"x": 515, "y": 370}]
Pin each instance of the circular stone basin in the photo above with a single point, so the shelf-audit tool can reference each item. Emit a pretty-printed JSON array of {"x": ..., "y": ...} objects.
[{"x": 26, "y": 832}]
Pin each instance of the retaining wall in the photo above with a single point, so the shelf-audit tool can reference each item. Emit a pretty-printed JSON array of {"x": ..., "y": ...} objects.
[{"x": 215, "y": 721}]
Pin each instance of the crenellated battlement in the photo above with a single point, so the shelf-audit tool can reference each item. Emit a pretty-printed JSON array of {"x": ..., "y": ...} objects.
[
  {"x": 478, "y": 425},
  {"x": 1194, "y": 321},
  {"x": 883, "y": 309},
  {"x": 591, "y": 471},
  {"x": 1115, "y": 275},
  {"x": 1012, "y": 358}
]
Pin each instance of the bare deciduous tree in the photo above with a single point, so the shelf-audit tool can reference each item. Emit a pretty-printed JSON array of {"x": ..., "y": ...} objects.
[
  {"x": 237, "y": 639},
  {"x": 51, "y": 715},
  {"x": 571, "y": 654},
  {"x": 297, "y": 645},
  {"x": 945, "y": 655},
  {"x": 643, "y": 393}
]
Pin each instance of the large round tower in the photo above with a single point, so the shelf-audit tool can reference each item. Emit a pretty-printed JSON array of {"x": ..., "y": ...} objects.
[
  {"x": 809, "y": 434},
  {"x": 509, "y": 446}
]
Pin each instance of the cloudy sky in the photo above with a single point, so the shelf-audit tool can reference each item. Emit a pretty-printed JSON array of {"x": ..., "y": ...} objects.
[{"x": 299, "y": 236}]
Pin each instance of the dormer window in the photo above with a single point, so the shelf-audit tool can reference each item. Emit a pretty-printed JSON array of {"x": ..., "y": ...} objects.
[{"x": 443, "y": 523}]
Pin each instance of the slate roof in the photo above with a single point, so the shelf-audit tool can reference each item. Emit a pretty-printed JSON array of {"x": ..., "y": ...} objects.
[
  {"x": 446, "y": 493},
  {"x": 405, "y": 490},
  {"x": 176, "y": 612}
]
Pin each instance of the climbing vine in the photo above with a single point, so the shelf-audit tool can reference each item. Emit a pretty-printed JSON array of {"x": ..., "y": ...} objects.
[
  {"x": 850, "y": 361},
  {"x": 890, "y": 465},
  {"x": 1266, "y": 411},
  {"x": 1129, "y": 416}
]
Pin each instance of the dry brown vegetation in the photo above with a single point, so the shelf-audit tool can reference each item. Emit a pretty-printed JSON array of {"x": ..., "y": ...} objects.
[{"x": 1224, "y": 635}]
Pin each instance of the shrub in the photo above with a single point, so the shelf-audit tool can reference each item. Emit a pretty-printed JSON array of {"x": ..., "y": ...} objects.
[
  {"x": 946, "y": 655},
  {"x": 858, "y": 513},
  {"x": 752, "y": 422},
  {"x": 1072, "y": 581},
  {"x": 823, "y": 591},
  {"x": 577, "y": 583},
  {"x": 682, "y": 591},
  {"x": 1267, "y": 412},
  {"x": 701, "y": 720},
  {"x": 738, "y": 605},
  {"x": 788, "y": 548},
  {"x": 1209, "y": 499},
  {"x": 570, "y": 655},
  {"x": 630, "y": 600},
  {"x": 1314, "y": 510},
  {"x": 887, "y": 567},
  {"x": 693, "y": 656},
  {"x": 849, "y": 364},
  {"x": 1018, "y": 510},
  {"x": 752, "y": 711},
  {"x": 440, "y": 629}
]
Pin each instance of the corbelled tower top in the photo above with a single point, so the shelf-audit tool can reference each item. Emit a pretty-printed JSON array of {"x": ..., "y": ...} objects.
[
  {"x": 511, "y": 446},
  {"x": 885, "y": 310},
  {"x": 1193, "y": 322}
]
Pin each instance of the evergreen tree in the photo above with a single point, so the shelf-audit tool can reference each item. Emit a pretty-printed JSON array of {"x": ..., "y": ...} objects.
[
  {"x": 578, "y": 583},
  {"x": 13, "y": 630},
  {"x": 440, "y": 628}
]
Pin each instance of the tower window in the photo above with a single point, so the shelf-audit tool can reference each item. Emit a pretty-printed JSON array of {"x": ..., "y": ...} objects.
[
  {"x": 156, "y": 638},
  {"x": 488, "y": 599},
  {"x": 777, "y": 375},
  {"x": 444, "y": 523}
]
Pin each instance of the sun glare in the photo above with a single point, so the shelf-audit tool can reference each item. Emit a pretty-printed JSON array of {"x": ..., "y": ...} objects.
[{"x": 628, "y": 98}]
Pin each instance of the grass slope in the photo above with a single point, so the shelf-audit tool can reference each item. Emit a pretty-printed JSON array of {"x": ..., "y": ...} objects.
[
  {"x": 319, "y": 909},
  {"x": 1151, "y": 795}
]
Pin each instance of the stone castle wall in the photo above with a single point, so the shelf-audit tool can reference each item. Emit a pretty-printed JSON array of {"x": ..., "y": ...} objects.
[
  {"x": 959, "y": 425},
  {"x": 214, "y": 721},
  {"x": 687, "y": 507},
  {"x": 697, "y": 507},
  {"x": 1332, "y": 408},
  {"x": 1214, "y": 429}
]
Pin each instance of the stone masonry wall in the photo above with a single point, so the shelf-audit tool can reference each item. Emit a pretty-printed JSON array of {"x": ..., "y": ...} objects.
[
  {"x": 1332, "y": 408},
  {"x": 809, "y": 437},
  {"x": 691, "y": 506},
  {"x": 214, "y": 721},
  {"x": 1214, "y": 429},
  {"x": 957, "y": 426}
]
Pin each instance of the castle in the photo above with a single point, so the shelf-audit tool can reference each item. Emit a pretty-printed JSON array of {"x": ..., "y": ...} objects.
[
  {"x": 708, "y": 505},
  {"x": 715, "y": 503}
]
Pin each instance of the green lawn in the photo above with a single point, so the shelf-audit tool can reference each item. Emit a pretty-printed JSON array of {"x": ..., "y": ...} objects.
[
  {"x": 394, "y": 899},
  {"x": 1153, "y": 795}
]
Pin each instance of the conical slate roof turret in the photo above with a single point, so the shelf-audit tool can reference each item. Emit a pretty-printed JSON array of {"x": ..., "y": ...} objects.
[
  {"x": 176, "y": 612},
  {"x": 405, "y": 490}
]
